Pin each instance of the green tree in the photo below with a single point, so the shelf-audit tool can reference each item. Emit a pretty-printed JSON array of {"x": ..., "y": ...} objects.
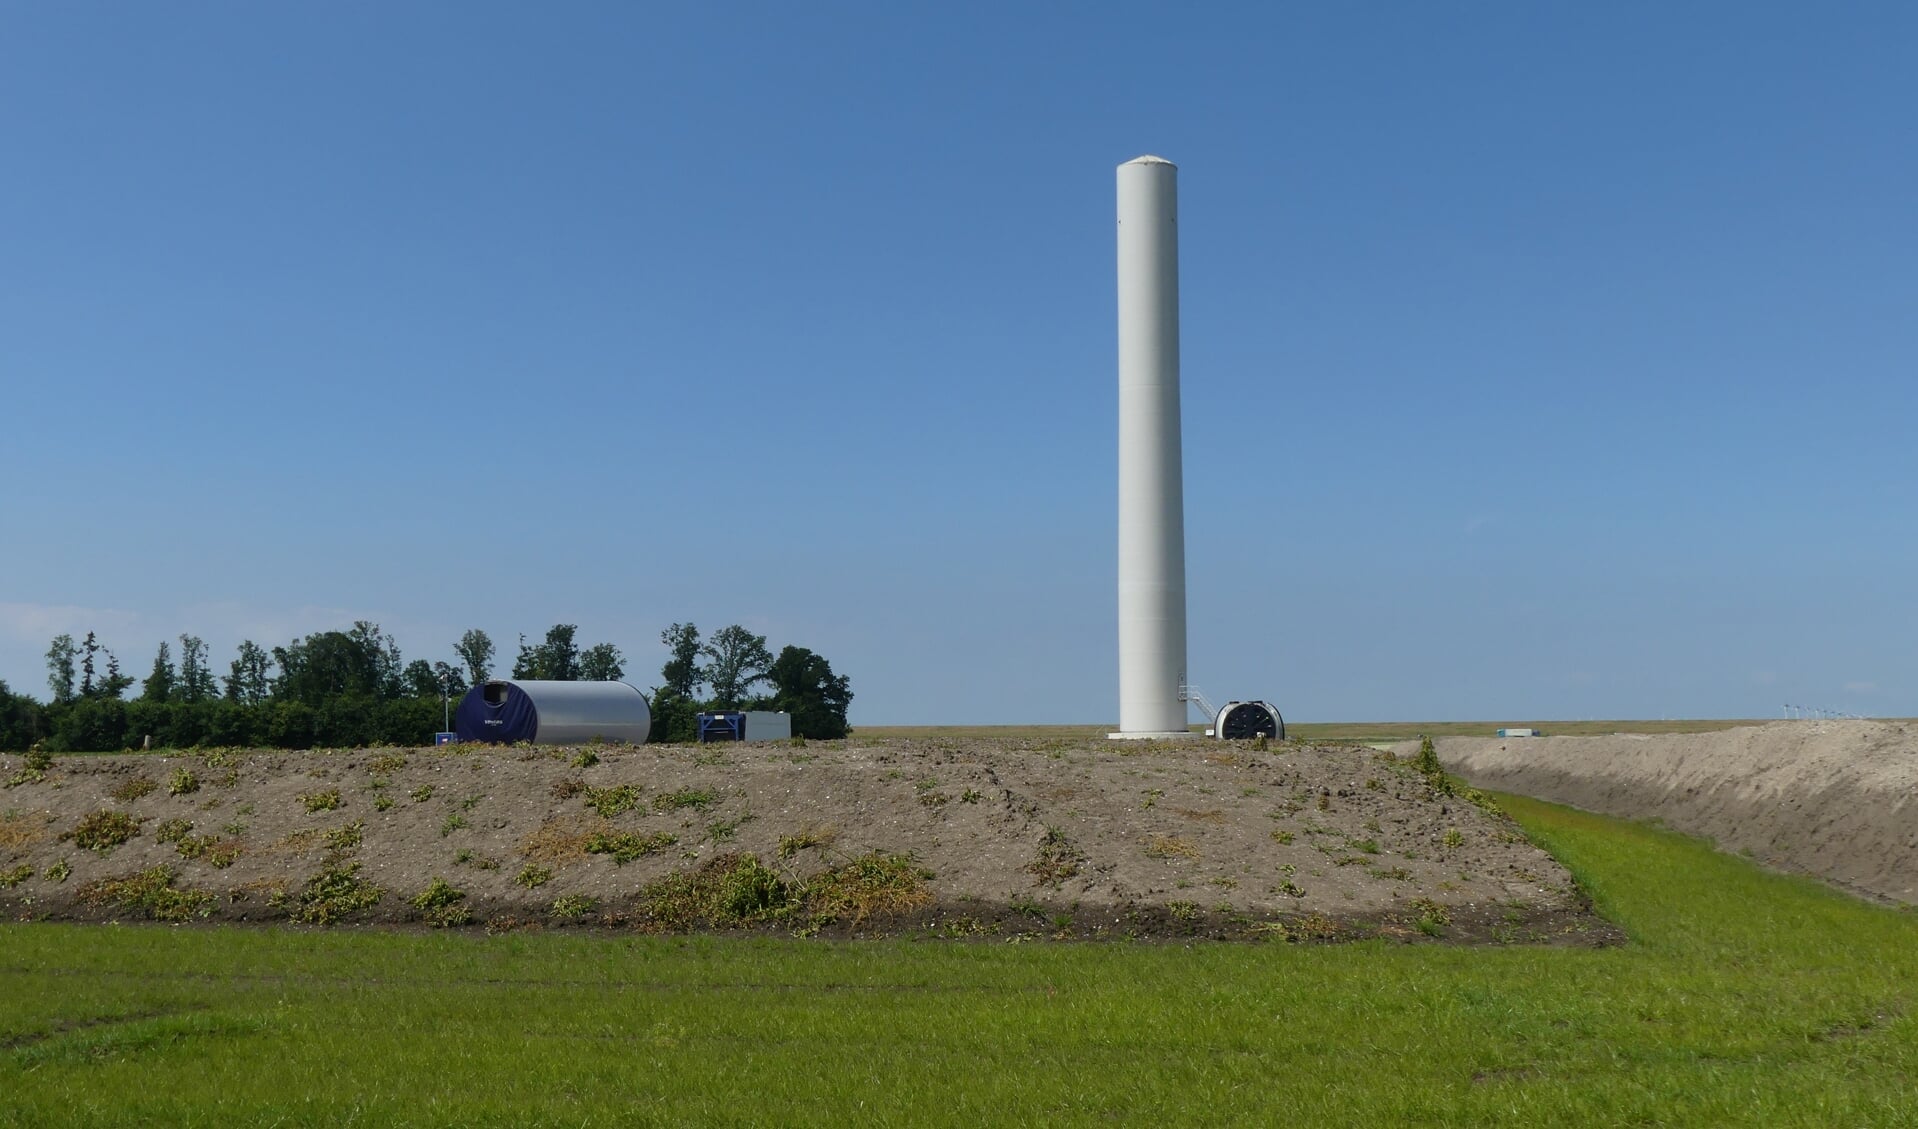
[
  {"x": 555, "y": 660},
  {"x": 739, "y": 662},
  {"x": 22, "y": 721},
  {"x": 475, "y": 649},
  {"x": 420, "y": 680},
  {"x": 115, "y": 683},
  {"x": 88, "y": 648},
  {"x": 601, "y": 662},
  {"x": 361, "y": 663},
  {"x": 247, "y": 681},
  {"x": 158, "y": 686},
  {"x": 451, "y": 677},
  {"x": 196, "y": 678},
  {"x": 60, "y": 677},
  {"x": 684, "y": 676},
  {"x": 805, "y": 687}
]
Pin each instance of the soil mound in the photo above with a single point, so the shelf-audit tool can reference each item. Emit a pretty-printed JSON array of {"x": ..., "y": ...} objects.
[
  {"x": 933, "y": 837},
  {"x": 1834, "y": 799}
]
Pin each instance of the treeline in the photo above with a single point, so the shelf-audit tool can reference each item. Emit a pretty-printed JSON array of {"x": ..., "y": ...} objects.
[{"x": 352, "y": 688}]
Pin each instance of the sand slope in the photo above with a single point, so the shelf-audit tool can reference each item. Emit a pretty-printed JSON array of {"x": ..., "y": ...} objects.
[
  {"x": 1080, "y": 837},
  {"x": 1834, "y": 799}
]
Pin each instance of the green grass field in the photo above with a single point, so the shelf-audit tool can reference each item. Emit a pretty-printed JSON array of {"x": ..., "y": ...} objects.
[{"x": 1745, "y": 998}]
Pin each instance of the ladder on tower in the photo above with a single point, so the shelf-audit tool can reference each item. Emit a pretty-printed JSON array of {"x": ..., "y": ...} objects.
[{"x": 1189, "y": 693}]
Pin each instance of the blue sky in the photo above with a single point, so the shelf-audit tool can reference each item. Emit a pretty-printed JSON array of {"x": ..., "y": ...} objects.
[{"x": 1539, "y": 360}]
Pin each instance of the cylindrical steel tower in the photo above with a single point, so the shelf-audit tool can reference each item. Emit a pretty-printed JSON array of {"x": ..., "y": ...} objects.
[{"x": 1151, "y": 475}]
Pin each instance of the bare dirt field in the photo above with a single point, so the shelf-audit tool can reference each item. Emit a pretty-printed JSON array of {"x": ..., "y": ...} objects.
[
  {"x": 1837, "y": 800},
  {"x": 1002, "y": 837}
]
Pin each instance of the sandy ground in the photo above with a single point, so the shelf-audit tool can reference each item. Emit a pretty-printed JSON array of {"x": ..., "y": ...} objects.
[
  {"x": 1837, "y": 800},
  {"x": 1069, "y": 838}
]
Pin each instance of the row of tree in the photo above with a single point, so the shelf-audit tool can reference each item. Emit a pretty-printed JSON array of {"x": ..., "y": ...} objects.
[{"x": 351, "y": 688}]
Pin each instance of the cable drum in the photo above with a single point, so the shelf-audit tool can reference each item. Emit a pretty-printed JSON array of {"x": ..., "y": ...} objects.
[{"x": 1247, "y": 721}]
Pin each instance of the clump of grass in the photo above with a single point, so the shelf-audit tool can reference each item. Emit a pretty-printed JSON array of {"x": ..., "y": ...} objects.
[
  {"x": 382, "y": 802},
  {"x": 387, "y": 763},
  {"x": 807, "y": 837},
  {"x": 348, "y": 838},
  {"x": 1365, "y": 846},
  {"x": 1454, "y": 839},
  {"x": 533, "y": 877},
  {"x": 103, "y": 830},
  {"x": 325, "y": 800},
  {"x": 700, "y": 798},
  {"x": 1056, "y": 860},
  {"x": 1169, "y": 847},
  {"x": 422, "y": 793},
  {"x": 335, "y": 894},
  {"x": 11, "y": 878},
  {"x": 1281, "y": 836},
  {"x": 60, "y": 871},
  {"x": 609, "y": 802},
  {"x": 132, "y": 788},
  {"x": 182, "y": 783},
  {"x": 627, "y": 846},
  {"x": 453, "y": 823},
  {"x": 173, "y": 830},
  {"x": 572, "y": 907},
  {"x": 971, "y": 796},
  {"x": 151, "y": 892},
  {"x": 439, "y": 905},
  {"x": 586, "y": 758}
]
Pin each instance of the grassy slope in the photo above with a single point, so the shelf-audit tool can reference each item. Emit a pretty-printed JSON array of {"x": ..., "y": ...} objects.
[{"x": 1746, "y": 998}]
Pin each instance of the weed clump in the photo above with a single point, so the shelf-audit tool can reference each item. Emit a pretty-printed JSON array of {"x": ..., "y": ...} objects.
[
  {"x": 327, "y": 800},
  {"x": 182, "y": 783},
  {"x": 1169, "y": 847},
  {"x": 1056, "y": 861},
  {"x": 453, "y": 823},
  {"x": 700, "y": 798},
  {"x": 872, "y": 885},
  {"x": 218, "y": 853},
  {"x": 609, "y": 802},
  {"x": 173, "y": 830},
  {"x": 440, "y": 906},
  {"x": 38, "y": 763},
  {"x": 728, "y": 891},
  {"x": 790, "y": 845},
  {"x": 103, "y": 830},
  {"x": 346, "y": 839},
  {"x": 572, "y": 907},
  {"x": 627, "y": 846},
  {"x": 11, "y": 878},
  {"x": 387, "y": 763},
  {"x": 133, "y": 788},
  {"x": 150, "y": 891},
  {"x": 533, "y": 877},
  {"x": 335, "y": 894},
  {"x": 58, "y": 872},
  {"x": 422, "y": 793}
]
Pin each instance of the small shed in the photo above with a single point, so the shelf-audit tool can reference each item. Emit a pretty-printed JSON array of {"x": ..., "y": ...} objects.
[{"x": 506, "y": 710}]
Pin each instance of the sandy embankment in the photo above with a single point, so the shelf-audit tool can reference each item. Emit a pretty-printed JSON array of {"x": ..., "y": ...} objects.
[{"x": 1837, "y": 800}]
